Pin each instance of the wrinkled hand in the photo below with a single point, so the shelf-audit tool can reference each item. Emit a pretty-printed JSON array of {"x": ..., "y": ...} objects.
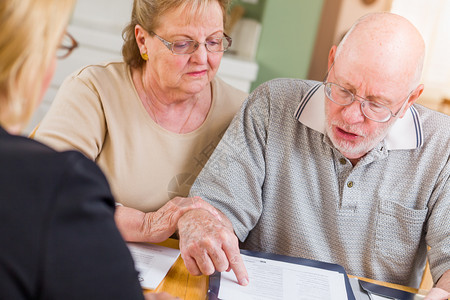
[
  {"x": 208, "y": 244},
  {"x": 159, "y": 296},
  {"x": 437, "y": 294},
  {"x": 161, "y": 224}
]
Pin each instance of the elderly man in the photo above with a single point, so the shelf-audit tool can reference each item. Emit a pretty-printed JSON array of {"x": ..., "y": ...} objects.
[{"x": 346, "y": 171}]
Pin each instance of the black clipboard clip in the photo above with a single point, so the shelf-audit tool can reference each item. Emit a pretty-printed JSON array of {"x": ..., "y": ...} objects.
[{"x": 394, "y": 294}]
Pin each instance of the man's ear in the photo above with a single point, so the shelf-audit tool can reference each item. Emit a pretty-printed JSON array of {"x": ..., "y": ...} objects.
[
  {"x": 413, "y": 98},
  {"x": 331, "y": 56}
]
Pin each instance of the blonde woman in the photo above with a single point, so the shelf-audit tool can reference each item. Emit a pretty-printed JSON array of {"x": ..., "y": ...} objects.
[{"x": 57, "y": 232}]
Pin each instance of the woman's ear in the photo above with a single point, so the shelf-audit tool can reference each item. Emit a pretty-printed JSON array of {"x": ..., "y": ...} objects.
[{"x": 141, "y": 35}]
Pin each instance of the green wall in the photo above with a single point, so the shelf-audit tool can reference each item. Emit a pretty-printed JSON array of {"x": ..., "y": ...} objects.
[
  {"x": 254, "y": 11},
  {"x": 287, "y": 38}
]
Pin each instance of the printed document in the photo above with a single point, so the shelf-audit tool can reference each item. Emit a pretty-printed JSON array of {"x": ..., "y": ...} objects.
[
  {"x": 152, "y": 262},
  {"x": 272, "y": 279}
]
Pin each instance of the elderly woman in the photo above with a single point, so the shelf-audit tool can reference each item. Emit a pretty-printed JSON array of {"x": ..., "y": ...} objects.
[
  {"x": 152, "y": 121},
  {"x": 57, "y": 232}
]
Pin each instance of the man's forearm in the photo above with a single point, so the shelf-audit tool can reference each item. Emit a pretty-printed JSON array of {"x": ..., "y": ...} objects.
[
  {"x": 444, "y": 282},
  {"x": 442, "y": 289},
  {"x": 226, "y": 222}
]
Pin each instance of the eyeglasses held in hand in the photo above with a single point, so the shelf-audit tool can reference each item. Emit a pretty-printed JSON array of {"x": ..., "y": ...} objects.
[
  {"x": 182, "y": 47},
  {"x": 68, "y": 44}
]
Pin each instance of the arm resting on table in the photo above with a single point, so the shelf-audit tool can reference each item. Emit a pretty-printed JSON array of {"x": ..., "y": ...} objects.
[{"x": 155, "y": 227}]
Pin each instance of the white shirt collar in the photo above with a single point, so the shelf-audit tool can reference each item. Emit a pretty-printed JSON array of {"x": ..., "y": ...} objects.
[{"x": 406, "y": 133}]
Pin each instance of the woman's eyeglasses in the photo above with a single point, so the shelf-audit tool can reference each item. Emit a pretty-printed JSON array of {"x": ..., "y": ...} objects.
[{"x": 181, "y": 47}]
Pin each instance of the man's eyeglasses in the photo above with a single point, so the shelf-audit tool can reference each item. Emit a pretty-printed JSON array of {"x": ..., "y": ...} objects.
[
  {"x": 372, "y": 110},
  {"x": 212, "y": 44},
  {"x": 68, "y": 43}
]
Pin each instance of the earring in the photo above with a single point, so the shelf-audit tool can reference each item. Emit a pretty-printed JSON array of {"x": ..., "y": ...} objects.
[{"x": 144, "y": 56}]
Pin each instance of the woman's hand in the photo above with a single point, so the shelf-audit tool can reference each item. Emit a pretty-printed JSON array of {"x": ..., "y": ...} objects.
[
  {"x": 155, "y": 227},
  {"x": 159, "y": 296}
]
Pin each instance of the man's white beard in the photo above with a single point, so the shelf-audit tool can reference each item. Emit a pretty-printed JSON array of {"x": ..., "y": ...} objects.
[{"x": 350, "y": 149}]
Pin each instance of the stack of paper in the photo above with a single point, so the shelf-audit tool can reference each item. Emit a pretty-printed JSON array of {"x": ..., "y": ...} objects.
[
  {"x": 152, "y": 262},
  {"x": 272, "y": 279}
]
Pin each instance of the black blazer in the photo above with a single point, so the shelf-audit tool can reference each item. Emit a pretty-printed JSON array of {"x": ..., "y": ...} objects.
[{"x": 58, "y": 238}]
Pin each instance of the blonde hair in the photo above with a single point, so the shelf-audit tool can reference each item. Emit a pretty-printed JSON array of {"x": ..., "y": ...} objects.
[
  {"x": 147, "y": 13},
  {"x": 31, "y": 32}
]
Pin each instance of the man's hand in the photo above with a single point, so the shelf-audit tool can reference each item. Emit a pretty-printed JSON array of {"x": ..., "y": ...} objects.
[
  {"x": 437, "y": 294},
  {"x": 161, "y": 224},
  {"x": 155, "y": 227},
  {"x": 208, "y": 244},
  {"x": 442, "y": 289}
]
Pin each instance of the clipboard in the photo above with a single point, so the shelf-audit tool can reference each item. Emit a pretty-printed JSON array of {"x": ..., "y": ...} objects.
[{"x": 214, "y": 279}]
